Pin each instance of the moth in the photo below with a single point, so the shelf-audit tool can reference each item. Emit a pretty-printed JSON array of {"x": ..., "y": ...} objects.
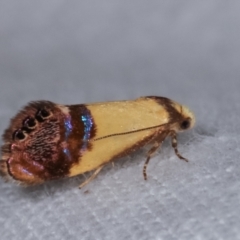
[{"x": 47, "y": 141}]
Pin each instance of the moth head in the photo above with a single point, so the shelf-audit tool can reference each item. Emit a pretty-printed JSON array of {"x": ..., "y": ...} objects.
[
  {"x": 188, "y": 119},
  {"x": 180, "y": 118},
  {"x": 185, "y": 119},
  {"x": 31, "y": 143}
]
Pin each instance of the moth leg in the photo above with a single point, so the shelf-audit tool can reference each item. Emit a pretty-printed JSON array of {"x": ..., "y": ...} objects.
[
  {"x": 174, "y": 145},
  {"x": 91, "y": 177},
  {"x": 156, "y": 145},
  {"x": 158, "y": 138}
]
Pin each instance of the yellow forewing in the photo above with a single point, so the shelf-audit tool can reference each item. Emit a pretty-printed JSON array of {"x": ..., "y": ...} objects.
[{"x": 119, "y": 117}]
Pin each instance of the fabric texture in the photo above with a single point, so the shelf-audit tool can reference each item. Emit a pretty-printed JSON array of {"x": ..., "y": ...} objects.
[{"x": 73, "y": 52}]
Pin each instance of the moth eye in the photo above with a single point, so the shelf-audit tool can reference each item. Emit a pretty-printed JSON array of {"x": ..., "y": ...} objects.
[
  {"x": 18, "y": 134},
  {"x": 42, "y": 114},
  {"x": 185, "y": 124},
  {"x": 29, "y": 123}
]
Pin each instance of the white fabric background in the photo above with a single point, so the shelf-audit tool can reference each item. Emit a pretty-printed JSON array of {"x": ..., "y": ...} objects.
[{"x": 87, "y": 51}]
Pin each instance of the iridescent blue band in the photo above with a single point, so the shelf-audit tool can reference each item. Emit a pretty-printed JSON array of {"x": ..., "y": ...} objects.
[
  {"x": 88, "y": 123},
  {"x": 68, "y": 129}
]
